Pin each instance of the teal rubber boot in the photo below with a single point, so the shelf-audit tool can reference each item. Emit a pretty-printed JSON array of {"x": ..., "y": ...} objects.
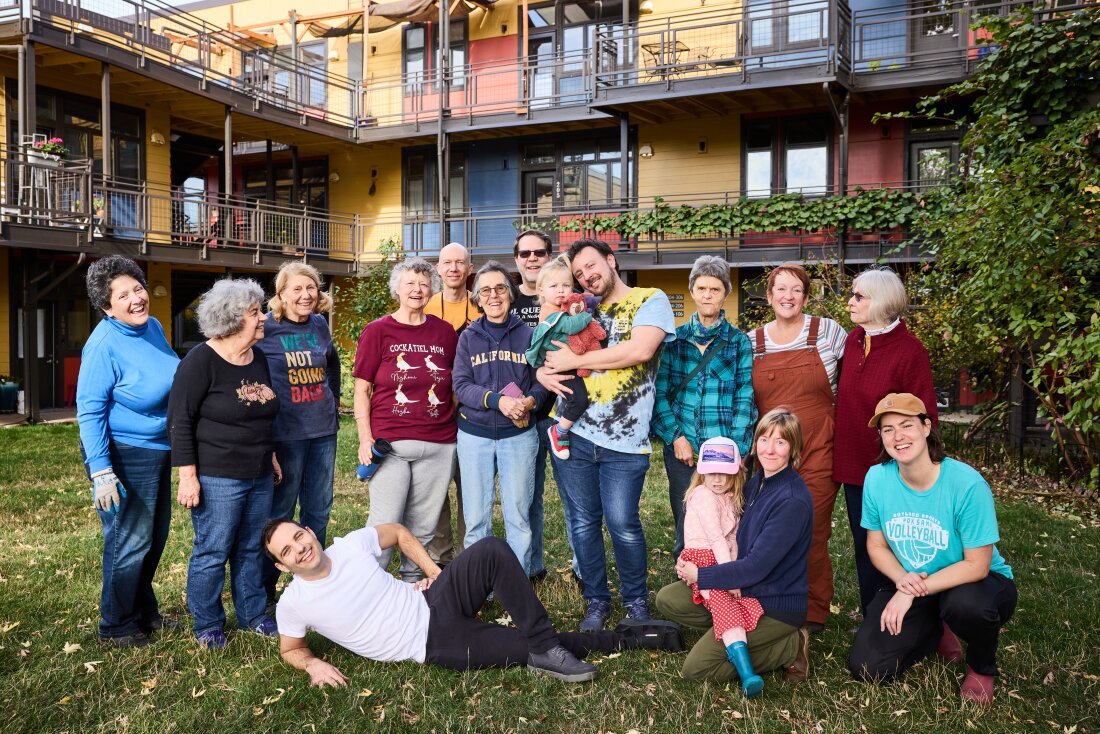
[{"x": 752, "y": 685}]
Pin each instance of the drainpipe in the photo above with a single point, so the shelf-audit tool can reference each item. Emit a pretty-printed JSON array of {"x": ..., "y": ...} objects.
[
  {"x": 840, "y": 119},
  {"x": 443, "y": 152}
]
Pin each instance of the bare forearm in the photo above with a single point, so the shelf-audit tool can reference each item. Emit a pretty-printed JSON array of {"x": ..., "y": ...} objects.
[
  {"x": 885, "y": 561},
  {"x": 361, "y": 409},
  {"x": 966, "y": 571},
  {"x": 411, "y": 548},
  {"x": 299, "y": 657},
  {"x": 623, "y": 354}
]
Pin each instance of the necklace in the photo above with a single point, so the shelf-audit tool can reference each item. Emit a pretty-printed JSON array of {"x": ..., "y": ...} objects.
[{"x": 465, "y": 309}]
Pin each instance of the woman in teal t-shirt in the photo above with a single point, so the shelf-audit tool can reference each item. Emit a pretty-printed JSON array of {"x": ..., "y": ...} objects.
[{"x": 931, "y": 528}]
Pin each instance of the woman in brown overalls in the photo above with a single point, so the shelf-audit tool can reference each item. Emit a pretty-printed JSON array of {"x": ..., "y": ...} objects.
[{"x": 795, "y": 365}]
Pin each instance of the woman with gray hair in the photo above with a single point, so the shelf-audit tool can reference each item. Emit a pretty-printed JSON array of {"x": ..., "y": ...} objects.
[
  {"x": 221, "y": 418},
  {"x": 126, "y": 371},
  {"x": 497, "y": 390},
  {"x": 881, "y": 356},
  {"x": 402, "y": 373},
  {"x": 704, "y": 385}
]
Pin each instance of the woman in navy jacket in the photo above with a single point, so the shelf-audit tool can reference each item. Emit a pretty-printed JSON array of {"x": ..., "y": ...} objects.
[{"x": 496, "y": 391}]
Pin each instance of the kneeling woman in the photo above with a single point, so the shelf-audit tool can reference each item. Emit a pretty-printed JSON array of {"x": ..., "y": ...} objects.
[{"x": 931, "y": 528}]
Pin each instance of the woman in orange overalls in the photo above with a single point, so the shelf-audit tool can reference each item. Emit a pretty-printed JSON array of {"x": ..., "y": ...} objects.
[{"x": 795, "y": 365}]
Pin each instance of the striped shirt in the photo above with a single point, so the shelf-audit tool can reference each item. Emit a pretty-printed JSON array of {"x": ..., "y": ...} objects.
[
  {"x": 716, "y": 402},
  {"x": 830, "y": 344}
]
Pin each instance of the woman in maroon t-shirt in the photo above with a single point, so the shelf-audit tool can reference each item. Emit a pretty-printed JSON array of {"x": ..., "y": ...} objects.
[{"x": 403, "y": 394}]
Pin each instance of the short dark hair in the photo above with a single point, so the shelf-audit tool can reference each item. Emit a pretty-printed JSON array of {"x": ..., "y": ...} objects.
[
  {"x": 534, "y": 233},
  {"x": 937, "y": 451},
  {"x": 269, "y": 529},
  {"x": 584, "y": 243},
  {"x": 103, "y": 272}
]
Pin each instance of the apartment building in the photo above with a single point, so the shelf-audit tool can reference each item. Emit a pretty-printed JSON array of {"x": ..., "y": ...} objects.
[{"x": 216, "y": 138}]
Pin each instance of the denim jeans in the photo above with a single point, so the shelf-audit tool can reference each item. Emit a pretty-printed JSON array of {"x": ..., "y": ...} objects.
[
  {"x": 134, "y": 539},
  {"x": 308, "y": 466},
  {"x": 481, "y": 461},
  {"x": 601, "y": 485},
  {"x": 679, "y": 477},
  {"x": 538, "y": 514},
  {"x": 227, "y": 522}
]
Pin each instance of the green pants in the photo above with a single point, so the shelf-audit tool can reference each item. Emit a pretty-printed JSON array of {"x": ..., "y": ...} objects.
[{"x": 772, "y": 645}]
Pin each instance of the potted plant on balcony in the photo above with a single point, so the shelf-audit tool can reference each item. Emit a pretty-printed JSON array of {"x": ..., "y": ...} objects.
[{"x": 52, "y": 149}]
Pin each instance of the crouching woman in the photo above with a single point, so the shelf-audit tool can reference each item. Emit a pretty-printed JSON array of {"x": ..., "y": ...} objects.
[{"x": 931, "y": 528}]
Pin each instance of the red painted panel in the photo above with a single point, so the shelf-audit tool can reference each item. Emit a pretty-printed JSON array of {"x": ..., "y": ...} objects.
[{"x": 875, "y": 158}]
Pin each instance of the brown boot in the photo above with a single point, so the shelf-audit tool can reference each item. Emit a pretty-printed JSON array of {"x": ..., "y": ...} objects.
[
  {"x": 977, "y": 688},
  {"x": 799, "y": 670}
]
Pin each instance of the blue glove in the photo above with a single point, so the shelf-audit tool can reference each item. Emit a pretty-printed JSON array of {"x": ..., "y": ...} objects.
[{"x": 107, "y": 491}]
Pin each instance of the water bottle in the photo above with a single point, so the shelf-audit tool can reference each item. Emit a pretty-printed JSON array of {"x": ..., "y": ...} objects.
[{"x": 379, "y": 452}]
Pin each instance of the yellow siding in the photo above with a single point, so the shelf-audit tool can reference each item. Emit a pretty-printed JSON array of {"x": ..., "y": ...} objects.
[
  {"x": 677, "y": 167},
  {"x": 6, "y": 297},
  {"x": 350, "y": 194},
  {"x": 158, "y": 166},
  {"x": 486, "y": 24},
  {"x": 675, "y": 284},
  {"x": 160, "y": 308}
]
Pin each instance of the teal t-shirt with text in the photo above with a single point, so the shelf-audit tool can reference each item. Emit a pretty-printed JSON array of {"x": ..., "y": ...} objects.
[{"x": 929, "y": 530}]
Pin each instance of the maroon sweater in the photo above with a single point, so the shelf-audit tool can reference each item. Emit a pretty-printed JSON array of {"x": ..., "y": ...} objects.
[{"x": 898, "y": 362}]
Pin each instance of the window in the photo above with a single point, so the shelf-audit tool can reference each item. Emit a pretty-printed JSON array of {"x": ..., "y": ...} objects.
[
  {"x": 421, "y": 183},
  {"x": 572, "y": 174},
  {"x": 933, "y": 154},
  {"x": 787, "y": 155},
  {"x": 781, "y": 25},
  {"x": 419, "y": 65},
  {"x": 312, "y": 57},
  {"x": 312, "y": 184}
]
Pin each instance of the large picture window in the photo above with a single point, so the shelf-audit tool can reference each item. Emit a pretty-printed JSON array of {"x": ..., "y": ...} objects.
[
  {"x": 787, "y": 155},
  {"x": 421, "y": 54}
]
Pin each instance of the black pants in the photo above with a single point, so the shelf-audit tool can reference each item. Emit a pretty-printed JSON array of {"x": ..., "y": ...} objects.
[
  {"x": 572, "y": 406},
  {"x": 459, "y": 641},
  {"x": 975, "y": 612},
  {"x": 870, "y": 579}
]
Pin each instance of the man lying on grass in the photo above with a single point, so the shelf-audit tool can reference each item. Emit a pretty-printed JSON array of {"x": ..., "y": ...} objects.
[{"x": 346, "y": 595}]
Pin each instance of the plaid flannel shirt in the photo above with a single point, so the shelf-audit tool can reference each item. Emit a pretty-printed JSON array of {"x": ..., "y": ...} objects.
[{"x": 716, "y": 402}]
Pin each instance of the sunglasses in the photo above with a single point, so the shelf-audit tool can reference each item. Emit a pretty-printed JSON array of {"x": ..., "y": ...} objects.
[{"x": 524, "y": 254}]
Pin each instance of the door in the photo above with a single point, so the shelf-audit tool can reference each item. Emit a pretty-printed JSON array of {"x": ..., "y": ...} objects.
[
  {"x": 538, "y": 194},
  {"x": 46, "y": 369},
  {"x": 936, "y": 30}
]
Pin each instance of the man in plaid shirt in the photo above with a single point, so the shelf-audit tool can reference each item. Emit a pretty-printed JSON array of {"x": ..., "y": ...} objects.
[{"x": 694, "y": 404}]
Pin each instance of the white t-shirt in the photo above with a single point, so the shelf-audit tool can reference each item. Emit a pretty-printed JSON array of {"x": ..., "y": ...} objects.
[
  {"x": 830, "y": 344},
  {"x": 358, "y": 605}
]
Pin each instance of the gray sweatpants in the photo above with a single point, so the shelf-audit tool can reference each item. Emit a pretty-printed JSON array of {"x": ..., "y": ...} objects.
[{"x": 409, "y": 488}]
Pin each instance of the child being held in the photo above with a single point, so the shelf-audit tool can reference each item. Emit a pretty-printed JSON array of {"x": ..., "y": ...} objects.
[
  {"x": 712, "y": 511},
  {"x": 563, "y": 317}
]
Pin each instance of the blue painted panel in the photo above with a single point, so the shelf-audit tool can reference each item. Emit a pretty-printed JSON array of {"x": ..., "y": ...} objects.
[{"x": 492, "y": 173}]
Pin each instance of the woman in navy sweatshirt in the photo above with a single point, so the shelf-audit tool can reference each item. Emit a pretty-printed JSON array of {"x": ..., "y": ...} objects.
[
  {"x": 496, "y": 392},
  {"x": 773, "y": 540},
  {"x": 126, "y": 372}
]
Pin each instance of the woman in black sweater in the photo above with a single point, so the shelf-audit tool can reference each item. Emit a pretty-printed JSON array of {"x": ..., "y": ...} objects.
[{"x": 221, "y": 414}]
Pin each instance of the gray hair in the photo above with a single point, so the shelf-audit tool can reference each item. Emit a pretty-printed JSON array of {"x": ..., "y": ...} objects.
[
  {"x": 221, "y": 309},
  {"x": 494, "y": 267},
  {"x": 889, "y": 300},
  {"x": 102, "y": 273},
  {"x": 418, "y": 265},
  {"x": 712, "y": 267}
]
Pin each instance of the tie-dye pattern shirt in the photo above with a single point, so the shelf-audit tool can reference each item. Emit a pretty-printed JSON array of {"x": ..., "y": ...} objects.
[{"x": 622, "y": 400}]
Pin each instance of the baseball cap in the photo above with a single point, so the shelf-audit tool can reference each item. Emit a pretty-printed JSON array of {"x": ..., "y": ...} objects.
[
  {"x": 719, "y": 455},
  {"x": 897, "y": 402}
]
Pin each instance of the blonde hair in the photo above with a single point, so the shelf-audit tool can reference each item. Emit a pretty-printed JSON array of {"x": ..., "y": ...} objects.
[
  {"x": 561, "y": 262},
  {"x": 735, "y": 488},
  {"x": 884, "y": 287},
  {"x": 789, "y": 428},
  {"x": 287, "y": 271}
]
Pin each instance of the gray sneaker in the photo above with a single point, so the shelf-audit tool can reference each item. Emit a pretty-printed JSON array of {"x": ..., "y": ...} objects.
[
  {"x": 596, "y": 616},
  {"x": 557, "y": 662}
]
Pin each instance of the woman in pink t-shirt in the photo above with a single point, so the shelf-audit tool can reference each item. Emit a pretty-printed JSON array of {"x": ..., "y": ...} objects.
[{"x": 403, "y": 395}]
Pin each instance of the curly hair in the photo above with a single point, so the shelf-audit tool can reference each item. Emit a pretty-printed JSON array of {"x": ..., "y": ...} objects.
[
  {"x": 287, "y": 271},
  {"x": 221, "y": 309},
  {"x": 102, "y": 273},
  {"x": 418, "y": 265}
]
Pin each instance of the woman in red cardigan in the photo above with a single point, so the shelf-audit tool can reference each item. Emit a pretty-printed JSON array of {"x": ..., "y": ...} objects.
[{"x": 880, "y": 356}]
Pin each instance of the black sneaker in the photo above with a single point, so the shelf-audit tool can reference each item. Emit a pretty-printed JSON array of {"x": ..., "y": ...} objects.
[
  {"x": 138, "y": 639},
  {"x": 654, "y": 634},
  {"x": 557, "y": 662},
  {"x": 637, "y": 609}
]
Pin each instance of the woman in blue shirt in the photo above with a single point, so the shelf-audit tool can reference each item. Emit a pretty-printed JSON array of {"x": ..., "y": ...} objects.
[
  {"x": 126, "y": 372},
  {"x": 931, "y": 528}
]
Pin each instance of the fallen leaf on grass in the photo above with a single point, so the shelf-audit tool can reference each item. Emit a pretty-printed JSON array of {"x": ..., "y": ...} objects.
[
  {"x": 257, "y": 711},
  {"x": 70, "y": 648},
  {"x": 901, "y": 712},
  {"x": 147, "y": 686},
  {"x": 1014, "y": 694},
  {"x": 197, "y": 694},
  {"x": 272, "y": 699},
  {"x": 1049, "y": 679},
  {"x": 9, "y": 626},
  {"x": 64, "y": 700},
  {"x": 90, "y": 666},
  {"x": 365, "y": 692}
]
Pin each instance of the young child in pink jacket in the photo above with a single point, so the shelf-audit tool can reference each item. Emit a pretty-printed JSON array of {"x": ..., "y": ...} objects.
[{"x": 712, "y": 510}]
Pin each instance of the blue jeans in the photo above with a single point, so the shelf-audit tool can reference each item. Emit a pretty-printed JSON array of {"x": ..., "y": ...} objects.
[
  {"x": 308, "y": 466},
  {"x": 134, "y": 539},
  {"x": 601, "y": 485},
  {"x": 481, "y": 460},
  {"x": 679, "y": 477},
  {"x": 227, "y": 522},
  {"x": 538, "y": 514}
]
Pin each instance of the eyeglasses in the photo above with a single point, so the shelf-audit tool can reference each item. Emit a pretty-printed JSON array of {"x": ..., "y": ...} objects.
[
  {"x": 499, "y": 290},
  {"x": 858, "y": 296},
  {"x": 524, "y": 254}
]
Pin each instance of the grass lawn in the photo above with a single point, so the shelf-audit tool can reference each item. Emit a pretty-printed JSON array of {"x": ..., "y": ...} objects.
[{"x": 55, "y": 677}]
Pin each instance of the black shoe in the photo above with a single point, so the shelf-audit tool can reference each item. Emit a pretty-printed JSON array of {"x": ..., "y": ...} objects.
[
  {"x": 162, "y": 623},
  {"x": 653, "y": 634},
  {"x": 538, "y": 577},
  {"x": 814, "y": 628},
  {"x": 138, "y": 639},
  {"x": 557, "y": 662}
]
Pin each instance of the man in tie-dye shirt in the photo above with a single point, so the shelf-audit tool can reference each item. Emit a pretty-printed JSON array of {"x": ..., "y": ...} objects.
[{"x": 609, "y": 444}]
